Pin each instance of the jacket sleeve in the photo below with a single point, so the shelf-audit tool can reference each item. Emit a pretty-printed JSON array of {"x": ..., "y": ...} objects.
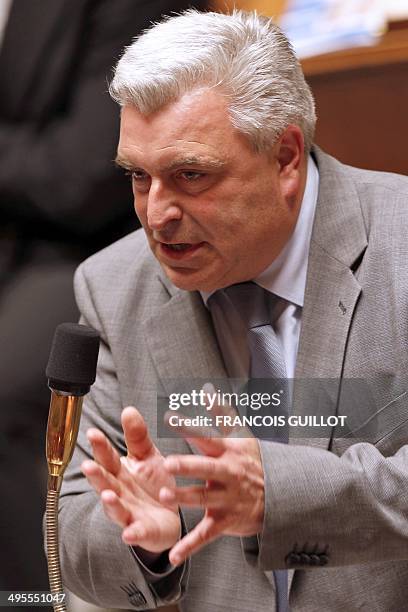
[
  {"x": 325, "y": 509},
  {"x": 96, "y": 564}
]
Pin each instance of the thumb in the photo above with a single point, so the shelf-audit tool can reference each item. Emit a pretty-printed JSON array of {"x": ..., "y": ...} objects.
[{"x": 137, "y": 437}]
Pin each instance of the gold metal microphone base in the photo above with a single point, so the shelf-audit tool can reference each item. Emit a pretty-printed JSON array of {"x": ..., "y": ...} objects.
[{"x": 62, "y": 431}]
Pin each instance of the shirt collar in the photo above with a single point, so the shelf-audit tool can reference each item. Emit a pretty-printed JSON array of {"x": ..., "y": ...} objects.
[{"x": 286, "y": 275}]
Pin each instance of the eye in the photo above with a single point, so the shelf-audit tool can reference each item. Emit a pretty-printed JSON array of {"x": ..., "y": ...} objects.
[
  {"x": 191, "y": 175},
  {"x": 140, "y": 180},
  {"x": 139, "y": 176}
]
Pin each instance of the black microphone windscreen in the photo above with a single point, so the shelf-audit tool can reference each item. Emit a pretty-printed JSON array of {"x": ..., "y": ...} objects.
[{"x": 72, "y": 363}]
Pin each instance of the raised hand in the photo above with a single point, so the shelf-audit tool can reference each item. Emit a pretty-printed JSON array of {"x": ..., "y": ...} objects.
[
  {"x": 233, "y": 494},
  {"x": 129, "y": 486}
]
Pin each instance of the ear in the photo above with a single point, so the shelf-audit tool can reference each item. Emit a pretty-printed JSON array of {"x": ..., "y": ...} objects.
[{"x": 290, "y": 156}]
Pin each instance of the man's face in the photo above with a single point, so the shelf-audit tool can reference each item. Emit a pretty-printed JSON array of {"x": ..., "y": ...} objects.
[{"x": 214, "y": 211}]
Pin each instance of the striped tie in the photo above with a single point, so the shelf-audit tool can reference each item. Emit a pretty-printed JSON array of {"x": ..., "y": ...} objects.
[
  {"x": 266, "y": 362},
  {"x": 250, "y": 301}
]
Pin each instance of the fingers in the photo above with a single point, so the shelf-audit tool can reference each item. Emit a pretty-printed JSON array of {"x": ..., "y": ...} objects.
[
  {"x": 207, "y": 530},
  {"x": 138, "y": 441},
  {"x": 206, "y": 468},
  {"x": 103, "y": 451},
  {"x": 224, "y": 416},
  {"x": 99, "y": 478},
  {"x": 206, "y": 439},
  {"x": 134, "y": 534},
  {"x": 224, "y": 411},
  {"x": 115, "y": 509},
  {"x": 195, "y": 497},
  {"x": 109, "y": 489},
  {"x": 212, "y": 447},
  {"x": 153, "y": 532}
]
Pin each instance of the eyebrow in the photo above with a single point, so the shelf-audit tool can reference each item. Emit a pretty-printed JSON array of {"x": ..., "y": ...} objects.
[{"x": 191, "y": 160}]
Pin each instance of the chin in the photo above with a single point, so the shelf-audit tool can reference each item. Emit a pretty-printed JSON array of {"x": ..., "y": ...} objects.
[{"x": 189, "y": 280}]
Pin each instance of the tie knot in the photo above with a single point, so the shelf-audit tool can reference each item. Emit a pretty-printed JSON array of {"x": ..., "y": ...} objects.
[{"x": 250, "y": 301}]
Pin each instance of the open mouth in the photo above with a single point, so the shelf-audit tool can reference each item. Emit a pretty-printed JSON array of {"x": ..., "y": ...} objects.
[
  {"x": 180, "y": 249},
  {"x": 181, "y": 246}
]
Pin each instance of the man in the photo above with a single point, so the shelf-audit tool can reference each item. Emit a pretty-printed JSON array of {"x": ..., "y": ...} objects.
[
  {"x": 57, "y": 207},
  {"x": 216, "y": 128}
]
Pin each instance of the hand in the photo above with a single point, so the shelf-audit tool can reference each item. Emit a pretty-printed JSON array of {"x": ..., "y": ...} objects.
[
  {"x": 129, "y": 486},
  {"x": 233, "y": 496}
]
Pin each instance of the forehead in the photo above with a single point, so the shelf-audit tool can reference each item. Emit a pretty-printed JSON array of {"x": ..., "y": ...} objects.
[{"x": 196, "y": 126}]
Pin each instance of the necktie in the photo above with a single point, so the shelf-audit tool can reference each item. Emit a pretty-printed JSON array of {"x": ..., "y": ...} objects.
[
  {"x": 266, "y": 362},
  {"x": 250, "y": 301},
  {"x": 267, "y": 366}
]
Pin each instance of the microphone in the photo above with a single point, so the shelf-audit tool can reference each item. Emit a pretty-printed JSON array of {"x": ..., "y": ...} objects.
[{"x": 71, "y": 370}]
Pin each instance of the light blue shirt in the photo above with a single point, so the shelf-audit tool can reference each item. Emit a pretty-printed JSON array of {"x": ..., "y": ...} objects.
[{"x": 286, "y": 278}]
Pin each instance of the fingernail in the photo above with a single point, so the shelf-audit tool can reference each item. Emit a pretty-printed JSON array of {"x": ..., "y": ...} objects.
[
  {"x": 176, "y": 560},
  {"x": 208, "y": 388},
  {"x": 86, "y": 465},
  {"x": 130, "y": 534}
]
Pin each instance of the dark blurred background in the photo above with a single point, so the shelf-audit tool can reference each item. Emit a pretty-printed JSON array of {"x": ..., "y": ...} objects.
[{"x": 61, "y": 198}]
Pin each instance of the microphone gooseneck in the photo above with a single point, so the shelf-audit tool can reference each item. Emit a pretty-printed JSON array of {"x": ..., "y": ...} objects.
[{"x": 71, "y": 370}]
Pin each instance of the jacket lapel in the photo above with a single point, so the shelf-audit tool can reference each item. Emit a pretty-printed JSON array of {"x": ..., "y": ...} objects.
[
  {"x": 181, "y": 339},
  {"x": 182, "y": 344},
  {"x": 332, "y": 291},
  {"x": 29, "y": 28}
]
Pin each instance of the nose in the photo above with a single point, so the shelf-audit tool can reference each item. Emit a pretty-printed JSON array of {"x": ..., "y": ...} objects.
[{"x": 162, "y": 206}]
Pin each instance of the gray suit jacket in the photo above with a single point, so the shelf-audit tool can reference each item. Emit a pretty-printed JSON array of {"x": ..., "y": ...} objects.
[{"x": 336, "y": 509}]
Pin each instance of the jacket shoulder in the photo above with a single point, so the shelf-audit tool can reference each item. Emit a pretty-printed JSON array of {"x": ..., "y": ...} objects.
[
  {"x": 131, "y": 253},
  {"x": 381, "y": 196},
  {"x": 331, "y": 168},
  {"x": 121, "y": 279}
]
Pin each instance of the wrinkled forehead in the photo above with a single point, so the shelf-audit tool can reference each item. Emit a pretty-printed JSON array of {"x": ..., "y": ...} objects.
[{"x": 195, "y": 127}]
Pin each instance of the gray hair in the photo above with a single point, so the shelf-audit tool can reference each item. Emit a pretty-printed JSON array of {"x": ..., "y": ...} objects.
[{"x": 244, "y": 55}]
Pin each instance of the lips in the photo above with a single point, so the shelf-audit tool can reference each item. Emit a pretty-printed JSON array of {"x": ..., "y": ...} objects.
[{"x": 180, "y": 250}]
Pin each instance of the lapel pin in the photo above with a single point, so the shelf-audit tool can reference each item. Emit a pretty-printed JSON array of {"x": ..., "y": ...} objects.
[{"x": 342, "y": 307}]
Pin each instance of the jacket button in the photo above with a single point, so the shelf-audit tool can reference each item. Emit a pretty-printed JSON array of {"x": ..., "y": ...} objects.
[
  {"x": 135, "y": 595},
  {"x": 292, "y": 559},
  {"x": 314, "y": 560},
  {"x": 305, "y": 559},
  {"x": 137, "y": 599}
]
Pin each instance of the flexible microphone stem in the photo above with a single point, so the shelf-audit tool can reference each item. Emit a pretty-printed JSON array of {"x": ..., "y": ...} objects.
[
  {"x": 71, "y": 371},
  {"x": 54, "y": 568}
]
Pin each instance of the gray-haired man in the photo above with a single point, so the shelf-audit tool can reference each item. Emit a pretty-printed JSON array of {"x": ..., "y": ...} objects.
[{"x": 216, "y": 132}]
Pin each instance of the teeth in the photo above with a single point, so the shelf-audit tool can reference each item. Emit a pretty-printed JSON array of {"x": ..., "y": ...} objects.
[{"x": 179, "y": 247}]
